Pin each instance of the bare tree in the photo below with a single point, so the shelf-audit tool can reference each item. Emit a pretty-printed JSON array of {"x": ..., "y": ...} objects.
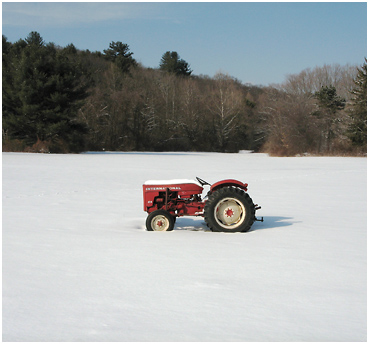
[
  {"x": 287, "y": 122},
  {"x": 192, "y": 117},
  {"x": 310, "y": 81},
  {"x": 225, "y": 106}
]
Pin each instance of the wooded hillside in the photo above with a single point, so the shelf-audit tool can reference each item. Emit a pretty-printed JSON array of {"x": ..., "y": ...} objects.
[{"x": 63, "y": 100}]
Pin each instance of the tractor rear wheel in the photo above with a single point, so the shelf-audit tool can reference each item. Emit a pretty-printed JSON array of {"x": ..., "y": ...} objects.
[
  {"x": 229, "y": 209},
  {"x": 160, "y": 220}
]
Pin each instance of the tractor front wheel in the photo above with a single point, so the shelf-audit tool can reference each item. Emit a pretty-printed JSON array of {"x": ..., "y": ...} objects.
[
  {"x": 229, "y": 209},
  {"x": 160, "y": 220}
]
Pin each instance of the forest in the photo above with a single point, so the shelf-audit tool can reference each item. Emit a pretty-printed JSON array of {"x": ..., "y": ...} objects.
[{"x": 64, "y": 100}]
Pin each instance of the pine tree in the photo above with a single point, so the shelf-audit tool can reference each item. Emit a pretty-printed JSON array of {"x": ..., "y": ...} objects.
[
  {"x": 329, "y": 103},
  {"x": 358, "y": 110},
  {"x": 118, "y": 53},
  {"x": 171, "y": 62},
  {"x": 42, "y": 94}
]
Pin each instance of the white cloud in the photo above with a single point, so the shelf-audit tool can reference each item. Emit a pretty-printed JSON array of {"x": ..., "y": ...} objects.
[{"x": 72, "y": 13}]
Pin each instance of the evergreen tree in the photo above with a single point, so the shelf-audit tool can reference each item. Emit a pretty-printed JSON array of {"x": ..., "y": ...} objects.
[
  {"x": 9, "y": 96},
  {"x": 41, "y": 96},
  {"x": 358, "y": 111},
  {"x": 329, "y": 103},
  {"x": 118, "y": 53},
  {"x": 34, "y": 39},
  {"x": 171, "y": 62}
]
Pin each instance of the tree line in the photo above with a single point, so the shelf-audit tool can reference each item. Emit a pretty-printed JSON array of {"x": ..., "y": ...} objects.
[{"x": 61, "y": 99}]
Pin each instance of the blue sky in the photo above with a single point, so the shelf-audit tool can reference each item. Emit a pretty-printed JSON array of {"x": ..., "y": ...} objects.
[{"x": 255, "y": 42}]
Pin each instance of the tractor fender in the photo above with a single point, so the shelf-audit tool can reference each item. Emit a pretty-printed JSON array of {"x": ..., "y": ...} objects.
[{"x": 228, "y": 182}]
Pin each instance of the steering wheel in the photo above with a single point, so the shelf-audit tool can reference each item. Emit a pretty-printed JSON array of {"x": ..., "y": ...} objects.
[{"x": 202, "y": 182}]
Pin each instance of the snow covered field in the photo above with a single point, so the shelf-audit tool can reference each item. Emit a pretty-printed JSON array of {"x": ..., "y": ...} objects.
[{"x": 78, "y": 264}]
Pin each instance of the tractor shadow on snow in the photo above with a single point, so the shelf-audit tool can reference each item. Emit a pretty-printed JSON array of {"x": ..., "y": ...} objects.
[
  {"x": 196, "y": 224},
  {"x": 273, "y": 222}
]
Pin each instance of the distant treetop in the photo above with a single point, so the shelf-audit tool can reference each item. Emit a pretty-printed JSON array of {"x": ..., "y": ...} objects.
[
  {"x": 171, "y": 62},
  {"x": 118, "y": 53}
]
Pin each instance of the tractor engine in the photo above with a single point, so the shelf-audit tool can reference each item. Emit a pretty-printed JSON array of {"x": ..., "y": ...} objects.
[{"x": 179, "y": 197}]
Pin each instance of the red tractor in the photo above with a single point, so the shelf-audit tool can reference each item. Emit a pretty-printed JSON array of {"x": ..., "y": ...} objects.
[{"x": 226, "y": 208}]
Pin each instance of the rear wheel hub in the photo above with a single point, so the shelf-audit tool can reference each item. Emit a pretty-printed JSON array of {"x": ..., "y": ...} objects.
[{"x": 229, "y": 213}]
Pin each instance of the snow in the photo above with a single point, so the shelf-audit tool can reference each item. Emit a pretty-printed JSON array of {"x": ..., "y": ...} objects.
[{"x": 78, "y": 264}]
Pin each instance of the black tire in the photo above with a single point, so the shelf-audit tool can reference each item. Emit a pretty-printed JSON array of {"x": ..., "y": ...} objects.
[
  {"x": 160, "y": 220},
  {"x": 229, "y": 209}
]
